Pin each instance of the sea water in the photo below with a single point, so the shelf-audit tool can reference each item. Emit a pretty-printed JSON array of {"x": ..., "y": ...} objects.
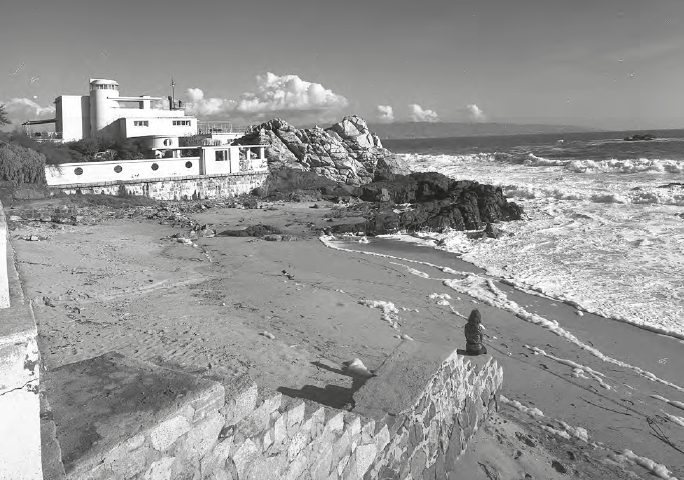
[{"x": 604, "y": 226}]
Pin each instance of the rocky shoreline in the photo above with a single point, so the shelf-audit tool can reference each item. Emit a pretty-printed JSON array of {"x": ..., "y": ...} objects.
[{"x": 347, "y": 162}]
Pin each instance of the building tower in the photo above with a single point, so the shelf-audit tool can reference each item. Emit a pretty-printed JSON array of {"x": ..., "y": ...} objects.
[{"x": 103, "y": 110}]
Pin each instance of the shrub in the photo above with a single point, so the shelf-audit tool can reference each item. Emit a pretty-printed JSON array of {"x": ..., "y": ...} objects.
[{"x": 19, "y": 164}]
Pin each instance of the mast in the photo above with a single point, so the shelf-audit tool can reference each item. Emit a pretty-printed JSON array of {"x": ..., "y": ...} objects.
[{"x": 173, "y": 95}]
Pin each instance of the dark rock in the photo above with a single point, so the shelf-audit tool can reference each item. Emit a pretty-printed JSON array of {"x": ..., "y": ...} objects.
[
  {"x": 491, "y": 231},
  {"x": 559, "y": 467},
  {"x": 252, "y": 231},
  {"x": 640, "y": 137},
  {"x": 437, "y": 202}
]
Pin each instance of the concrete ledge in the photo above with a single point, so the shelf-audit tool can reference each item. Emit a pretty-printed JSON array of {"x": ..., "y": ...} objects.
[
  {"x": 116, "y": 417},
  {"x": 20, "y": 450}
]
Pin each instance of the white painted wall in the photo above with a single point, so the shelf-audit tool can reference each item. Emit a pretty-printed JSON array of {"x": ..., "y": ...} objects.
[
  {"x": 205, "y": 164},
  {"x": 98, "y": 172},
  {"x": 157, "y": 124},
  {"x": 73, "y": 116}
]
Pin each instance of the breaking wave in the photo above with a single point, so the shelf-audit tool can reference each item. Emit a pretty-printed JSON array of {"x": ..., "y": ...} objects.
[{"x": 606, "y": 241}]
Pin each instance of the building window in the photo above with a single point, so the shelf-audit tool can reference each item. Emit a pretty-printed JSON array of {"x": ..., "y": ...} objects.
[
  {"x": 78, "y": 171},
  {"x": 181, "y": 122},
  {"x": 167, "y": 142},
  {"x": 141, "y": 123},
  {"x": 118, "y": 169},
  {"x": 188, "y": 164},
  {"x": 155, "y": 166},
  {"x": 221, "y": 155}
]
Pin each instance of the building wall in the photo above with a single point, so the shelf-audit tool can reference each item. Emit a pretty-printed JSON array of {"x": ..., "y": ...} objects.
[
  {"x": 73, "y": 116},
  {"x": 212, "y": 161},
  {"x": 102, "y": 172},
  {"x": 83, "y": 116},
  {"x": 155, "y": 122}
]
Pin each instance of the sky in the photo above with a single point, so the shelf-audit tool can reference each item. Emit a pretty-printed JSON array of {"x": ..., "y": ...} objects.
[{"x": 612, "y": 64}]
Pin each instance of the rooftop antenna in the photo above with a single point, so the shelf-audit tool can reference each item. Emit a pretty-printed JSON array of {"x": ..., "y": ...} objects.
[{"x": 173, "y": 95}]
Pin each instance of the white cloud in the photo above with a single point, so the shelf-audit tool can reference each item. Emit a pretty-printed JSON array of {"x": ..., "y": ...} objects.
[
  {"x": 385, "y": 113},
  {"x": 286, "y": 94},
  {"x": 475, "y": 113},
  {"x": 199, "y": 105},
  {"x": 418, "y": 114},
  {"x": 21, "y": 109}
]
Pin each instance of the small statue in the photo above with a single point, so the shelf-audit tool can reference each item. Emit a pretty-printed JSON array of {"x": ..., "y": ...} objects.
[{"x": 473, "y": 333}]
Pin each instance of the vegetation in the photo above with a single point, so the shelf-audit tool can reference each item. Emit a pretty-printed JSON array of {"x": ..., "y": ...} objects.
[
  {"x": 3, "y": 116},
  {"x": 19, "y": 164}
]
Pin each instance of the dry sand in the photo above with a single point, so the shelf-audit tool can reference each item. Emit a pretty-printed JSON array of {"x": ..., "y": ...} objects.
[{"x": 126, "y": 285}]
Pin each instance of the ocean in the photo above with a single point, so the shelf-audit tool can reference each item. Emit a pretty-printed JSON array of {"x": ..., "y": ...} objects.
[{"x": 605, "y": 218}]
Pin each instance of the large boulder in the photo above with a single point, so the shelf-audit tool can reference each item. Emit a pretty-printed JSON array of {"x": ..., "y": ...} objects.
[
  {"x": 436, "y": 202},
  {"x": 347, "y": 152}
]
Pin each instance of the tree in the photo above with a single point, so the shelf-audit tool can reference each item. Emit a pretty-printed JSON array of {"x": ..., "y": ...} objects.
[{"x": 3, "y": 116}]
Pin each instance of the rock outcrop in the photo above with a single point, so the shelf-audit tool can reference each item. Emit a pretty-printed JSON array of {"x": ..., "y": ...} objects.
[
  {"x": 436, "y": 202},
  {"x": 347, "y": 152}
]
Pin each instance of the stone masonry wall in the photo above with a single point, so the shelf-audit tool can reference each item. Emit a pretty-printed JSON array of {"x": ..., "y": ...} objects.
[
  {"x": 184, "y": 188},
  {"x": 231, "y": 433},
  {"x": 427, "y": 439}
]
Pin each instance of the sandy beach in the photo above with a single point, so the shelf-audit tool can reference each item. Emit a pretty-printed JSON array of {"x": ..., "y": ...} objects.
[{"x": 576, "y": 395}]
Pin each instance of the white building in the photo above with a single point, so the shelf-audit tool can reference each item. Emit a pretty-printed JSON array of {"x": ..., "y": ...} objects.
[{"x": 104, "y": 112}]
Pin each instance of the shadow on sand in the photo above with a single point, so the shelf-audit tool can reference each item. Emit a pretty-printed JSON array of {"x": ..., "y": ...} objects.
[{"x": 331, "y": 395}]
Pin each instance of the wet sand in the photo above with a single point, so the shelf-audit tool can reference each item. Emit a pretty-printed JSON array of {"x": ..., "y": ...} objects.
[{"x": 126, "y": 285}]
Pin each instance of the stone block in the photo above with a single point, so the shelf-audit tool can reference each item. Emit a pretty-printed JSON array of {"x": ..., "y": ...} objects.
[
  {"x": 382, "y": 438},
  {"x": 243, "y": 455},
  {"x": 241, "y": 403},
  {"x": 166, "y": 433},
  {"x": 342, "y": 464},
  {"x": 266, "y": 468},
  {"x": 295, "y": 468},
  {"x": 295, "y": 415},
  {"x": 354, "y": 426},
  {"x": 367, "y": 432},
  {"x": 129, "y": 463},
  {"x": 363, "y": 458},
  {"x": 258, "y": 420},
  {"x": 418, "y": 464},
  {"x": 160, "y": 470},
  {"x": 321, "y": 463},
  {"x": 335, "y": 422},
  {"x": 204, "y": 436},
  {"x": 279, "y": 430}
]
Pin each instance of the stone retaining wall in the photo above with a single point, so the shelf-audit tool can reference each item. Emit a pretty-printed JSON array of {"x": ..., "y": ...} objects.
[
  {"x": 428, "y": 437},
  {"x": 174, "y": 188},
  {"x": 227, "y": 432}
]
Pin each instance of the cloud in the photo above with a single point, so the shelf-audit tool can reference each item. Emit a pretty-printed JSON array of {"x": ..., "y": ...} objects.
[
  {"x": 385, "y": 113},
  {"x": 475, "y": 113},
  {"x": 417, "y": 114},
  {"x": 21, "y": 109},
  {"x": 288, "y": 93},
  {"x": 284, "y": 95},
  {"x": 206, "y": 107}
]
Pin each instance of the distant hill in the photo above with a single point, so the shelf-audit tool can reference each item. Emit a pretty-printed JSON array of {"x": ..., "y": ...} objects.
[{"x": 441, "y": 130}]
